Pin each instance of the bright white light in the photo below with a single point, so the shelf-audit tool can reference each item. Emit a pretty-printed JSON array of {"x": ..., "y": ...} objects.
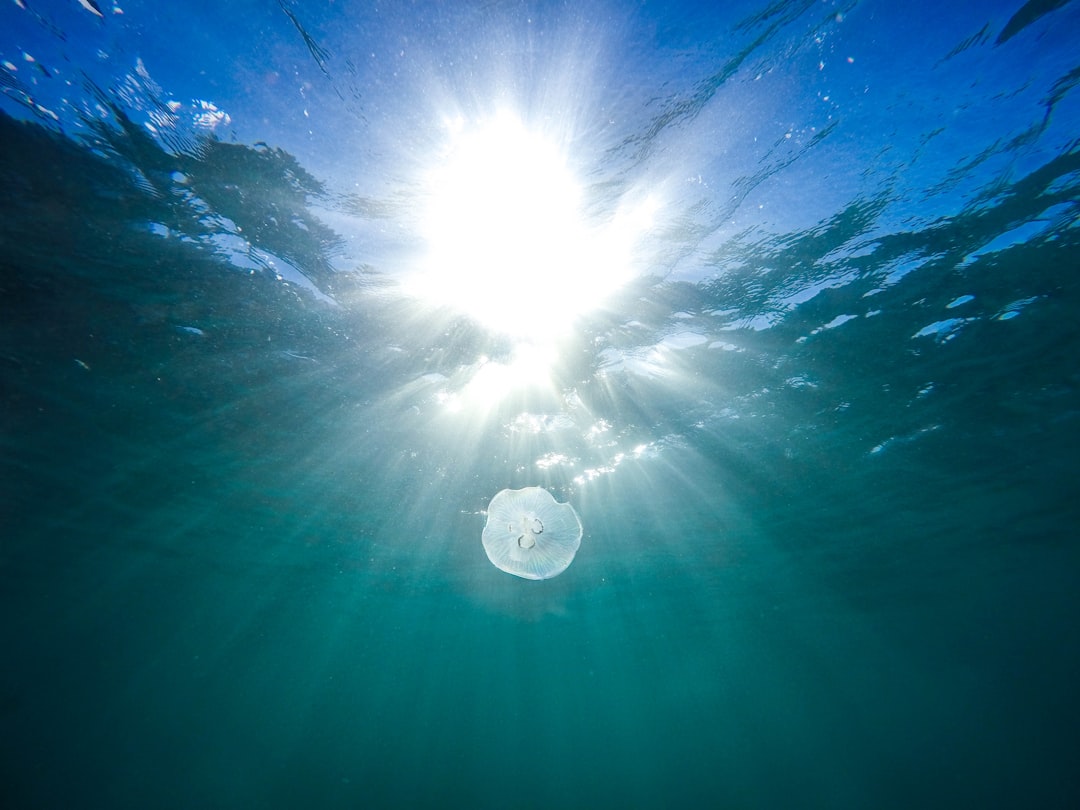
[
  {"x": 507, "y": 239},
  {"x": 529, "y": 367}
]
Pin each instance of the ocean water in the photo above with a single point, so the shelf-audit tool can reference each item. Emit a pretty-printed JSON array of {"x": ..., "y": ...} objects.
[{"x": 804, "y": 360}]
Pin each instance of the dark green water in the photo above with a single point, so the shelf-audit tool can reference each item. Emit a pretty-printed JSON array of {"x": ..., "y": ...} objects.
[
  {"x": 823, "y": 444},
  {"x": 239, "y": 570}
]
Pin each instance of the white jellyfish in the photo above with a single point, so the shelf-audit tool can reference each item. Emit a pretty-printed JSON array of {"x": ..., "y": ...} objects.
[{"x": 529, "y": 534}]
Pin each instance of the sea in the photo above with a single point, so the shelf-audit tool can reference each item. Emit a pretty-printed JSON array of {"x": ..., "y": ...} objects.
[{"x": 782, "y": 297}]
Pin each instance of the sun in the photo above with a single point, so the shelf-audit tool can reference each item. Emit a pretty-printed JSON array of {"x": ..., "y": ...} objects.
[{"x": 507, "y": 241}]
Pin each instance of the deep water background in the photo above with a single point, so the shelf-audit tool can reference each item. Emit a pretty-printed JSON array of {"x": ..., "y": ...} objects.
[{"x": 823, "y": 446}]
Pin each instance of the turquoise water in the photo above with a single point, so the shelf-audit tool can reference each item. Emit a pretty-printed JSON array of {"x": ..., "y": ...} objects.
[{"x": 821, "y": 442}]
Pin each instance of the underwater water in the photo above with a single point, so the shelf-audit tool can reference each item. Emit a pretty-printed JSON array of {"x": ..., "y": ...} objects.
[{"x": 799, "y": 344}]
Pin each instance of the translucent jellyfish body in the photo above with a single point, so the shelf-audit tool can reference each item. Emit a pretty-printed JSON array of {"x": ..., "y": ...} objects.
[{"x": 529, "y": 534}]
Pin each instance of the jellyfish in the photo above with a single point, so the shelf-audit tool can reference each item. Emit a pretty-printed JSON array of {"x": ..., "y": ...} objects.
[{"x": 529, "y": 534}]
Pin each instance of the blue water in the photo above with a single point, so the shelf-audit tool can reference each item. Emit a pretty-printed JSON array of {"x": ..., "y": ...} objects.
[{"x": 819, "y": 423}]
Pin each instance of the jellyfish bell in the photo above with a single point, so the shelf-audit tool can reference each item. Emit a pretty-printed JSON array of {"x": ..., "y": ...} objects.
[{"x": 529, "y": 534}]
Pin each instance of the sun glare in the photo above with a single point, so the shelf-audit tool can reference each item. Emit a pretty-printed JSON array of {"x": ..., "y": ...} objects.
[{"x": 506, "y": 237}]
